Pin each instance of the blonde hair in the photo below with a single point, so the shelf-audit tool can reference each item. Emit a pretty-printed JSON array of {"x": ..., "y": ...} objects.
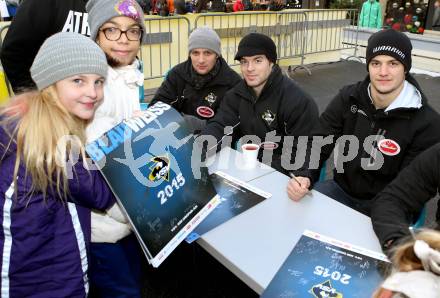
[
  {"x": 404, "y": 259},
  {"x": 41, "y": 126}
]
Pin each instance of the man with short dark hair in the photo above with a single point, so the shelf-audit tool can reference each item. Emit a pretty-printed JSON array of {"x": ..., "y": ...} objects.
[
  {"x": 265, "y": 104},
  {"x": 386, "y": 115}
]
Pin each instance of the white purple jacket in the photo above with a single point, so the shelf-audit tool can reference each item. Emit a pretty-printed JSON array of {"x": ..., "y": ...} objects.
[{"x": 44, "y": 242}]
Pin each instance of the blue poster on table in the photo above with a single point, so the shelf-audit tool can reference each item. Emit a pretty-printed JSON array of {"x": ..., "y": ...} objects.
[
  {"x": 235, "y": 196},
  {"x": 320, "y": 266},
  {"x": 146, "y": 160}
]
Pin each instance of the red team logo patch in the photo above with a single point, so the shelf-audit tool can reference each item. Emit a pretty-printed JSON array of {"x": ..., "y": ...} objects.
[
  {"x": 205, "y": 112},
  {"x": 269, "y": 145},
  {"x": 388, "y": 147}
]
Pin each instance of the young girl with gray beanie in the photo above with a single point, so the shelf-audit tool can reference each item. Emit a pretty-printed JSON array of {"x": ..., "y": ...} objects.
[{"x": 46, "y": 198}]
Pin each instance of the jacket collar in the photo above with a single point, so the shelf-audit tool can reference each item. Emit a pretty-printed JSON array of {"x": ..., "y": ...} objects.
[
  {"x": 408, "y": 98},
  {"x": 130, "y": 74},
  {"x": 221, "y": 78},
  {"x": 362, "y": 97}
]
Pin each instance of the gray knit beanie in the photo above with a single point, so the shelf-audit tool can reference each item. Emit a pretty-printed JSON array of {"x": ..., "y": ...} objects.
[
  {"x": 204, "y": 38},
  {"x": 67, "y": 54},
  {"x": 101, "y": 11}
]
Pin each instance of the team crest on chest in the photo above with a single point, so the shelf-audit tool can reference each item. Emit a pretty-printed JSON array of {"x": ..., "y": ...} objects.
[
  {"x": 211, "y": 98},
  {"x": 206, "y": 111},
  {"x": 354, "y": 109},
  {"x": 268, "y": 117}
]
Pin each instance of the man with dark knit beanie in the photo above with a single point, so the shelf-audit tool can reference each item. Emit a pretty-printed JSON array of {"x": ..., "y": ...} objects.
[
  {"x": 266, "y": 106},
  {"x": 197, "y": 86},
  {"x": 386, "y": 120}
]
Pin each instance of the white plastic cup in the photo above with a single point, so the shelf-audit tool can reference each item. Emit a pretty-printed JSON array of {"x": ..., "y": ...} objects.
[{"x": 250, "y": 155}]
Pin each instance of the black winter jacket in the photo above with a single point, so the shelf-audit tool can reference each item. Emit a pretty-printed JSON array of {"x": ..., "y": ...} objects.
[
  {"x": 179, "y": 90},
  {"x": 351, "y": 112},
  {"x": 282, "y": 108},
  {"x": 399, "y": 204},
  {"x": 35, "y": 21}
]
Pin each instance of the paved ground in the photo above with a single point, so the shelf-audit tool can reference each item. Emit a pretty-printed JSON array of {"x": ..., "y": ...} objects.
[{"x": 327, "y": 79}]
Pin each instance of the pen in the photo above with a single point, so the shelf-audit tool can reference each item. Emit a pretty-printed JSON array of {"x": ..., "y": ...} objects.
[
  {"x": 294, "y": 178},
  {"x": 297, "y": 181}
]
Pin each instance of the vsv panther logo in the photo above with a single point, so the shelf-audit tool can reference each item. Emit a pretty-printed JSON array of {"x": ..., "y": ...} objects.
[
  {"x": 325, "y": 290},
  {"x": 160, "y": 168}
]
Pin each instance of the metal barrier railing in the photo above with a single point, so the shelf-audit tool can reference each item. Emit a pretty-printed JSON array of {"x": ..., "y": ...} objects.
[
  {"x": 285, "y": 28},
  {"x": 166, "y": 46},
  {"x": 325, "y": 30},
  {"x": 296, "y": 34}
]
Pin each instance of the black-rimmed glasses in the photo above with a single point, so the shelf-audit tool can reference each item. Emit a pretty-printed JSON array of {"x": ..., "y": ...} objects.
[{"x": 114, "y": 34}]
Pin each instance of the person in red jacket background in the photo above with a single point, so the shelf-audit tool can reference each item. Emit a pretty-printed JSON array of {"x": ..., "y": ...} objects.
[{"x": 238, "y": 6}]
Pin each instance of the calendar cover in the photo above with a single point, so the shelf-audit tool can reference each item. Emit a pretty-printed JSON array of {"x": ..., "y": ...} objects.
[
  {"x": 147, "y": 162},
  {"x": 320, "y": 266}
]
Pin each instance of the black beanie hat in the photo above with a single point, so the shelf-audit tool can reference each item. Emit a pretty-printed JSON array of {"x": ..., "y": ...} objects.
[
  {"x": 257, "y": 44},
  {"x": 391, "y": 43}
]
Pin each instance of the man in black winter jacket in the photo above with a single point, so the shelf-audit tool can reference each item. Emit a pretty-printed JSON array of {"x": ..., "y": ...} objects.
[
  {"x": 197, "y": 86},
  {"x": 397, "y": 207},
  {"x": 376, "y": 128},
  {"x": 266, "y": 107},
  {"x": 35, "y": 21}
]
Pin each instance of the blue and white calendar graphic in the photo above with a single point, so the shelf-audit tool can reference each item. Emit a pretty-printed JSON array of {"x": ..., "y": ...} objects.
[{"x": 320, "y": 266}]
